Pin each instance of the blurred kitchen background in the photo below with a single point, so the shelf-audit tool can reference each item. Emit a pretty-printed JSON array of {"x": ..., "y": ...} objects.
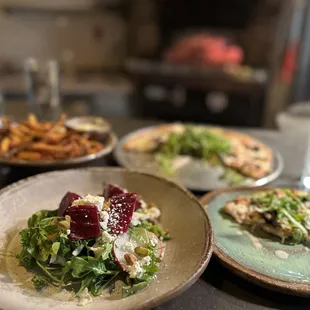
[{"x": 229, "y": 62}]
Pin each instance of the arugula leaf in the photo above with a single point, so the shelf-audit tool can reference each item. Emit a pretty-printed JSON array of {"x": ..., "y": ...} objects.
[
  {"x": 26, "y": 259},
  {"x": 84, "y": 285},
  {"x": 155, "y": 229},
  {"x": 55, "y": 247},
  {"x": 100, "y": 283},
  {"x": 40, "y": 215},
  {"x": 39, "y": 282},
  {"x": 79, "y": 266},
  {"x": 103, "y": 251},
  {"x": 132, "y": 289}
]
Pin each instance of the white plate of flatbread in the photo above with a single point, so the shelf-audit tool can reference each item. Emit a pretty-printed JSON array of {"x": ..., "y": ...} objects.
[{"x": 246, "y": 161}]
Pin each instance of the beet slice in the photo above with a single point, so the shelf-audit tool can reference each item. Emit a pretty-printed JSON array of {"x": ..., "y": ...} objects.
[
  {"x": 66, "y": 202},
  {"x": 121, "y": 211},
  {"x": 84, "y": 223},
  {"x": 112, "y": 190}
]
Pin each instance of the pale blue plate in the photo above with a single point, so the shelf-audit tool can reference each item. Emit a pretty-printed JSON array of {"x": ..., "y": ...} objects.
[{"x": 259, "y": 257}]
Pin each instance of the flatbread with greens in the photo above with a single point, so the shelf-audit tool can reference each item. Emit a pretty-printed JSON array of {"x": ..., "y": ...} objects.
[
  {"x": 283, "y": 213},
  {"x": 235, "y": 151}
]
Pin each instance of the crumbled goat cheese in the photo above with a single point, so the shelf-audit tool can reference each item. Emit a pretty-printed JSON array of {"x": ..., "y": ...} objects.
[
  {"x": 153, "y": 213},
  {"x": 106, "y": 237},
  {"x": 84, "y": 298},
  {"x": 104, "y": 215},
  {"x": 129, "y": 246},
  {"x": 143, "y": 204},
  {"x": 137, "y": 270},
  {"x": 146, "y": 214},
  {"x": 68, "y": 231},
  {"x": 90, "y": 200},
  {"x": 146, "y": 260},
  {"x": 135, "y": 220},
  {"x": 153, "y": 241}
]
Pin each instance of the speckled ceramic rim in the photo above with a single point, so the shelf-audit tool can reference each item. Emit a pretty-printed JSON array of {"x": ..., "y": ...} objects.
[
  {"x": 277, "y": 158},
  {"x": 207, "y": 226},
  {"x": 108, "y": 148},
  {"x": 250, "y": 274}
]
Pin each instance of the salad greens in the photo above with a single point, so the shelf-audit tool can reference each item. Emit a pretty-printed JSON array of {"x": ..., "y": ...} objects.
[
  {"x": 47, "y": 250},
  {"x": 92, "y": 265},
  {"x": 199, "y": 143},
  {"x": 285, "y": 209},
  {"x": 155, "y": 229},
  {"x": 196, "y": 142}
]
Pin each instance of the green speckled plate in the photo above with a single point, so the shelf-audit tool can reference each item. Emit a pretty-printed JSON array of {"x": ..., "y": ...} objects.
[{"x": 258, "y": 258}]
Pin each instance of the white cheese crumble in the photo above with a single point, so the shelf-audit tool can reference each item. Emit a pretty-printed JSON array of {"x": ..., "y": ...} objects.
[
  {"x": 137, "y": 270},
  {"x": 90, "y": 200},
  {"x": 84, "y": 298},
  {"x": 153, "y": 213},
  {"x": 146, "y": 260},
  {"x": 68, "y": 232},
  {"x": 129, "y": 246},
  {"x": 135, "y": 220},
  {"x": 146, "y": 214},
  {"x": 143, "y": 204},
  {"x": 104, "y": 216},
  {"x": 106, "y": 237},
  {"x": 153, "y": 241}
]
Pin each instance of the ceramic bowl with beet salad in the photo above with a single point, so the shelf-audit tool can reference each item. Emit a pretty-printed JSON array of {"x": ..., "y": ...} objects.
[{"x": 91, "y": 243}]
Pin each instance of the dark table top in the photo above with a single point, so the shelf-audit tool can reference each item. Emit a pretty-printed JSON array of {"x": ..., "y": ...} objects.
[{"x": 218, "y": 288}]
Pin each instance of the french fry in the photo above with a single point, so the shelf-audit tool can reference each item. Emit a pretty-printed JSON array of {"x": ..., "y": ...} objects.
[
  {"x": 15, "y": 130},
  {"x": 5, "y": 145},
  {"x": 32, "y": 122},
  {"x": 46, "y": 126},
  {"x": 44, "y": 147},
  {"x": 60, "y": 122},
  {"x": 28, "y": 155},
  {"x": 76, "y": 150},
  {"x": 94, "y": 147},
  {"x": 15, "y": 141},
  {"x": 54, "y": 138}
]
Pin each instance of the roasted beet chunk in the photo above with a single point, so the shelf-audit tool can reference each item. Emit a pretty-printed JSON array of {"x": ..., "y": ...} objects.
[
  {"x": 66, "y": 202},
  {"x": 84, "y": 223},
  {"x": 112, "y": 190},
  {"x": 121, "y": 210}
]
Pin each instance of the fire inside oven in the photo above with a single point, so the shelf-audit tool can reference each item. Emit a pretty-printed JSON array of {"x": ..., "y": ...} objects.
[{"x": 204, "y": 33}]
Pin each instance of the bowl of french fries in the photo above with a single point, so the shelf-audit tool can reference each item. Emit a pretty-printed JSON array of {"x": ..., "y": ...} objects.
[{"x": 47, "y": 144}]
